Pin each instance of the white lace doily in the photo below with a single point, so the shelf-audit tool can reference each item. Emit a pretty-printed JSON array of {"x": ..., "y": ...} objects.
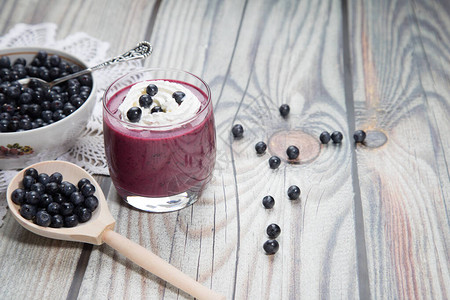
[{"x": 88, "y": 152}]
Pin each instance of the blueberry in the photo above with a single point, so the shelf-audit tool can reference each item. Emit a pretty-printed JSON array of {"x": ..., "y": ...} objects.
[
  {"x": 274, "y": 162},
  {"x": 42, "y": 55},
  {"x": 87, "y": 189},
  {"x": 28, "y": 211},
  {"x": 85, "y": 80},
  {"x": 58, "y": 115},
  {"x": 68, "y": 109},
  {"x": 54, "y": 208},
  {"x": 74, "y": 68},
  {"x": 56, "y": 105},
  {"x": 324, "y": 137},
  {"x": 73, "y": 90},
  {"x": 13, "y": 125},
  {"x": 25, "y": 124},
  {"x": 59, "y": 198},
  {"x": 271, "y": 247},
  {"x": 67, "y": 188},
  {"x": 46, "y": 199},
  {"x": 5, "y": 116},
  {"x": 20, "y": 61},
  {"x": 18, "y": 196},
  {"x": 44, "y": 74},
  {"x": 57, "y": 221},
  {"x": 237, "y": 131},
  {"x": 91, "y": 203},
  {"x": 293, "y": 192},
  {"x": 54, "y": 72},
  {"x": 38, "y": 187},
  {"x": 152, "y": 89},
  {"x": 35, "y": 110},
  {"x": 71, "y": 221},
  {"x": 82, "y": 182},
  {"x": 84, "y": 214},
  {"x": 268, "y": 202},
  {"x": 337, "y": 137},
  {"x": 273, "y": 231},
  {"x": 5, "y": 62},
  {"x": 56, "y": 177},
  {"x": 260, "y": 147},
  {"x": 156, "y": 109},
  {"x": 47, "y": 115},
  {"x": 32, "y": 197},
  {"x": 284, "y": 110},
  {"x": 32, "y": 172},
  {"x": 51, "y": 188},
  {"x": 43, "y": 218},
  {"x": 178, "y": 96},
  {"x": 76, "y": 198},
  {"x": 145, "y": 101},
  {"x": 359, "y": 136},
  {"x": 292, "y": 152},
  {"x": 55, "y": 60},
  {"x": 43, "y": 178},
  {"x": 134, "y": 114},
  {"x": 25, "y": 98},
  {"x": 28, "y": 181},
  {"x": 76, "y": 100},
  {"x": 4, "y": 125},
  {"x": 67, "y": 208}
]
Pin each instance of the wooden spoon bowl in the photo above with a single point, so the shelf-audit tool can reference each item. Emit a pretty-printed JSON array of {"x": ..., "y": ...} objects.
[
  {"x": 99, "y": 229},
  {"x": 89, "y": 232}
]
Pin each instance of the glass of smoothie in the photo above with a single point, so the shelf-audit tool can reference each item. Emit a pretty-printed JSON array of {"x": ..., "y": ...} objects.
[{"x": 160, "y": 138}]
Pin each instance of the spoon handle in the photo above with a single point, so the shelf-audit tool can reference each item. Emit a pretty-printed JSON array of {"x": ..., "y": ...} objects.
[
  {"x": 142, "y": 50},
  {"x": 156, "y": 265}
]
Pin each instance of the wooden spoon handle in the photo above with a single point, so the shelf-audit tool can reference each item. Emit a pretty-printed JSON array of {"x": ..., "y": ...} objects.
[{"x": 156, "y": 265}]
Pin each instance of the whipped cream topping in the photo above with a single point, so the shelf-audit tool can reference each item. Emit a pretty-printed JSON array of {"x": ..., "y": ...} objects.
[{"x": 172, "y": 113}]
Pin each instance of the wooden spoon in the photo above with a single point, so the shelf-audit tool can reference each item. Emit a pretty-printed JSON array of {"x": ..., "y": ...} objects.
[{"x": 100, "y": 229}]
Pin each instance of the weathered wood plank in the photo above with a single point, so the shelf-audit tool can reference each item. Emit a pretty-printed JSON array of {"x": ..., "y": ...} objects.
[
  {"x": 255, "y": 55},
  {"x": 400, "y": 66},
  {"x": 33, "y": 267}
]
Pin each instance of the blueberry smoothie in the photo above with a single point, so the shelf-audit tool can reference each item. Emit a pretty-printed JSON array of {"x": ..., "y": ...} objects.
[{"x": 159, "y": 138}]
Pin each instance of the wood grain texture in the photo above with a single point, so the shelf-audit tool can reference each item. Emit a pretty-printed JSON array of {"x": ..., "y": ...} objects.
[
  {"x": 257, "y": 55},
  {"x": 401, "y": 74},
  {"x": 253, "y": 63}
]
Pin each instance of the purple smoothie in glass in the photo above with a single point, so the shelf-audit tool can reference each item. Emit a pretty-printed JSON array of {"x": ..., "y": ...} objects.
[{"x": 159, "y": 161}]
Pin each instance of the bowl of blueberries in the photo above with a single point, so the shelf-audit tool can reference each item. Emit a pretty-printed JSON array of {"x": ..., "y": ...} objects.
[{"x": 37, "y": 123}]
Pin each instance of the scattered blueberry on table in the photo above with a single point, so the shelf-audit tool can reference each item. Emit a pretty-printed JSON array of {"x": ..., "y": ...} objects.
[
  {"x": 271, "y": 247},
  {"x": 284, "y": 110},
  {"x": 293, "y": 192},
  {"x": 337, "y": 137},
  {"x": 237, "y": 131},
  {"x": 292, "y": 152},
  {"x": 274, "y": 162},
  {"x": 56, "y": 204},
  {"x": 273, "y": 231},
  {"x": 260, "y": 147},
  {"x": 359, "y": 136},
  {"x": 268, "y": 202},
  {"x": 325, "y": 137}
]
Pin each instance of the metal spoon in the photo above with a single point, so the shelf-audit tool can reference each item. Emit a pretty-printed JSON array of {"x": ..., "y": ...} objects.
[
  {"x": 100, "y": 229},
  {"x": 142, "y": 50}
]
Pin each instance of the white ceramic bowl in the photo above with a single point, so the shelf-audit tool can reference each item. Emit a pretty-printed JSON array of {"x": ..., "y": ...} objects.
[{"x": 51, "y": 141}]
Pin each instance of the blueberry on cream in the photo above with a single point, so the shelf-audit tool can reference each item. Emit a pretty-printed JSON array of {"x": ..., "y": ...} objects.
[{"x": 161, "y": 102}]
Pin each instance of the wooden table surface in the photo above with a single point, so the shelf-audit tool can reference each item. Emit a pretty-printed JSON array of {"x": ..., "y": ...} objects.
[{"x": 372, "y": 221}]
